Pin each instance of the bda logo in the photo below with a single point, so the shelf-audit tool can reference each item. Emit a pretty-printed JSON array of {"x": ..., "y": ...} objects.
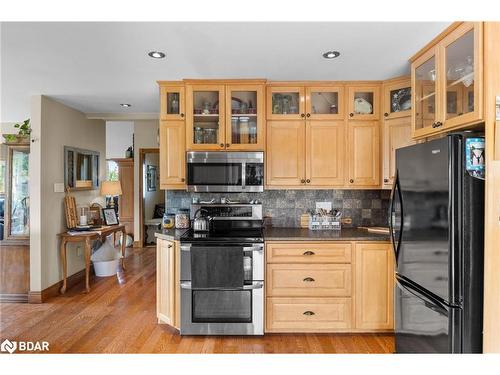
[{"x": 8, "y": 346}]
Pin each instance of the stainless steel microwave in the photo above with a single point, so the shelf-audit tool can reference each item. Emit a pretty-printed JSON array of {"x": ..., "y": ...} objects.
[{"x": 225, "y": 171}]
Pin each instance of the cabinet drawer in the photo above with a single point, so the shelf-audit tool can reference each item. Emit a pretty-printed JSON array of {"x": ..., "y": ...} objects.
[
  {"x": 307, "y": 314},
  {"x": 308, "y": 252},
  {"x": 306, "y": 280}
]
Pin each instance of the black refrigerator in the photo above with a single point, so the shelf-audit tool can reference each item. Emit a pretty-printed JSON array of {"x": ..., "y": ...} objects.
[{"x": 437, "y": 232}]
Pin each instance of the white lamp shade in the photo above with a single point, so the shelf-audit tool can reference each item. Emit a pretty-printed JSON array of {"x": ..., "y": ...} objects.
[{"x": 111, "y": 188}]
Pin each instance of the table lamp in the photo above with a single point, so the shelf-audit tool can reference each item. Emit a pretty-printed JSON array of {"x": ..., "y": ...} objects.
[{"x": 111, "y": 189}]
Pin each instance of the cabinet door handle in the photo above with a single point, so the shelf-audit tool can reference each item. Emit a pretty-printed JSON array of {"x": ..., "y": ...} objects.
[
  {"x": 169, "y": 246},
  {"x": 182, "y": 114},
  {"x": 308, "y": 181},
  {"x": 222, "y": 145},
  {"x": 308, "y": 115},
  {"x": 308, "y": 252},
  {"x": 228, "y": 144},
  {"x": 434, "y": 125},
  {"x": 302, "y": 115},
  {"x": 438, "y": 124},
  {"x": 302, "y": 181},
  {"x": 351, "y": 181},
  {"x": 183, "y": 179},
  {"x": 351, "y": 114},
  {"x": 386, "y": 114},
  {"x": 309, "y": 313},
  {"x": 386, "y": 180},
  {"x": 308, "y": 280}
]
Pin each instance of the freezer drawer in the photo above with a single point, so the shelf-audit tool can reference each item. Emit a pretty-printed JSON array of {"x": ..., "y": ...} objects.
[{"x": 424, "y": 325}]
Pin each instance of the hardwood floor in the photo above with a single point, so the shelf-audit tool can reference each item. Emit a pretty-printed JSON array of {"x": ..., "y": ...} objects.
[{"x": 118, "y": 316}]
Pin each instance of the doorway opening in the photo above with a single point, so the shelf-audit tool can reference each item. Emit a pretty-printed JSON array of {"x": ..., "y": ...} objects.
[{"x": 151, "y": 198}]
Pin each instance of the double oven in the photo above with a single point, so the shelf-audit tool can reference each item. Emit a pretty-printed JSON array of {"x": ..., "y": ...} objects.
[{"x": 222, "y": 273}]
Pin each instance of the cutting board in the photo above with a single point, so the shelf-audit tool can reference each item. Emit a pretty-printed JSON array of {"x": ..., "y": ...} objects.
[{"x": 381, "y": 230}]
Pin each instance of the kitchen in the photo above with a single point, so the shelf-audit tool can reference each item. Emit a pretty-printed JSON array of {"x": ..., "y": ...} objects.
[{"x": 304, "y": 196}]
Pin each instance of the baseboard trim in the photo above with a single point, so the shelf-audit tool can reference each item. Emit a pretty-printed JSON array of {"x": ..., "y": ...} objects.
[
  {"x": 53, "y": 290},
  {"x": 14, "y": 298}
]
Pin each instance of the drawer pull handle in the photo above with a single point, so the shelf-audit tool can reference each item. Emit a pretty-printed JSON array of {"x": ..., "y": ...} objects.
[
  {"x": 308, "y": 252},
  {"x": 308, "y": 280},
  {"x": 309, "y": 313}
]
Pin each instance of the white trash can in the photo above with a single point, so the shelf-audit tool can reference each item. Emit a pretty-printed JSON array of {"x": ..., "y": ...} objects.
[{"x": 106, "y": 268}]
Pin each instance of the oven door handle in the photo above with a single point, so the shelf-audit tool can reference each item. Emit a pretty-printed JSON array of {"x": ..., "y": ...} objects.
[
  {"x": 256, "y": 248},
  {"x": 255, "y": 285}
]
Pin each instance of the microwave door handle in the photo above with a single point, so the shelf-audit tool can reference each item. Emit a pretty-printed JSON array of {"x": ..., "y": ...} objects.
[{"x": 243, "y": 175}]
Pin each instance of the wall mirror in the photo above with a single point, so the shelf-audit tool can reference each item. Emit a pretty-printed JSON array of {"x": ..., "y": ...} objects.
[{"x": 81, "y": 168}]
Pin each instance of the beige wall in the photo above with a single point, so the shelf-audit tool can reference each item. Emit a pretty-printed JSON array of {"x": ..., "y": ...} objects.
[
  {"x": 145, "y": 136},
  {"x": 55, "y": 126},
  {"x": 7, "y": 128}
]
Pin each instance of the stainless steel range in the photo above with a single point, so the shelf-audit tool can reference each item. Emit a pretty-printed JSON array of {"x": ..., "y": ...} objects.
[{"x": 222, "y": 273}]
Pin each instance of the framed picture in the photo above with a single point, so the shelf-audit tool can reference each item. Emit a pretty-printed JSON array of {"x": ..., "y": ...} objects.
[
  {"x": 151, "y": 177},
  {"x": 109, "y": 215}
]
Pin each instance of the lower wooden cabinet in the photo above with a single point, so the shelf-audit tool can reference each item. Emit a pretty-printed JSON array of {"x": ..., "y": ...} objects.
[
  {"x": 168, "y": 282},
  {"x": 308, "y": 314},
  {"x": 172, "y": 155},
  {"x": 374, "y": 269},
  {"x": 318, "y": 287}
]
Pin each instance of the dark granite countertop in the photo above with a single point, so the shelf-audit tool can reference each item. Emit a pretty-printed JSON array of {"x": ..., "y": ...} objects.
[
  {"x": 301, "y": 234},
  {"x": 170, "y": 234}
]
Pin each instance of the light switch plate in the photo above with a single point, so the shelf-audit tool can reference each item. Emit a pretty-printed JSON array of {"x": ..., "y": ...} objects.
[{"x": 59, "y": 187}]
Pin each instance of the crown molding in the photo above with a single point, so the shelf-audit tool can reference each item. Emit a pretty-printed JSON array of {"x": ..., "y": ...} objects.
[{"x": 123, "y": 116}]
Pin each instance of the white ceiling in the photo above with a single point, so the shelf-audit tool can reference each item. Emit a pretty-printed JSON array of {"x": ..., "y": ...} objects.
[{"x": 95, "y": 66}]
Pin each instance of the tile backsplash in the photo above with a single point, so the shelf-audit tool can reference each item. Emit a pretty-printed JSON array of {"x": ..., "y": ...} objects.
[{"x": 364, "y": 207}]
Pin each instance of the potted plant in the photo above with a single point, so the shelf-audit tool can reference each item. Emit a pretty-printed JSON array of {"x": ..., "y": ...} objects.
[{"x": 23, "y": 134}]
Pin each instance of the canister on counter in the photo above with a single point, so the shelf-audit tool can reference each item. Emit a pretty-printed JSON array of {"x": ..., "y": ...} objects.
[
  {"x": 182, "y": 219},
  {"x": 168, "y": 221}
]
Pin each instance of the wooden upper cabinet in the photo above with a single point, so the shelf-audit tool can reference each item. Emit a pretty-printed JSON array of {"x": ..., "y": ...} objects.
[
  {"x": 363, "y": 153},
  {"x": 447, "y": 82},
  {"x": 325, "y": 153},
  {"x": 245, "y": 130},
  {"x": 324, "y": 103},
  {"x": 285, "y": 102},
  {"x": 363, "y": 102},
  {"x": 396, "y": 98},
  {"x": 461, "y": 53},
  {"x": 172, "y": 155},
  {"x": 172, "y": 102},
  {"x": 374, "y": 296},
  {"x": 397, "y": 134},
  {"x": 285, "y": 157},
  {"x": 205, "y": 116}
]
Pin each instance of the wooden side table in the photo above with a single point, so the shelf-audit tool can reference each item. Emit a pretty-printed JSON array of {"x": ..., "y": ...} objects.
[{"x": 87, "y": 238}]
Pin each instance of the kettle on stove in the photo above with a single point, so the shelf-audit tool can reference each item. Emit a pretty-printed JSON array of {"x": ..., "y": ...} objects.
[{"x": 201, "y": 221}]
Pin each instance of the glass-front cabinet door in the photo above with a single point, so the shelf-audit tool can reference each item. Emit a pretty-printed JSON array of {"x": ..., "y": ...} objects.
[
  {"x": 425, "y": 78},
  {"x": 285, "y": 103},
  {"x": 244, "y": 117},
  {"x": 461, "y": 52},
  {"x": 325, "y": 103},
  {"x": 205, "y": 117},
  {"x": 363, "y": 102},
  {"x": 172, "y": 102},
  {"x": 397, "y": 98}
]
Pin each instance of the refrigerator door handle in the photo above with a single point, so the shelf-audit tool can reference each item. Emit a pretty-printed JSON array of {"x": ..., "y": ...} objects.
[
  {"x": 400, "y": 196},
  {"x": 391, "y": 216},
  {"x": 432, "y": 304}
]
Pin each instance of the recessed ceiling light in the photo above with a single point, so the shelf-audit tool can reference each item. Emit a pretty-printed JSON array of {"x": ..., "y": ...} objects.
[
  {"x": 125, "y": 105},
  {"x": 156, "y": 55},
  {"x": 331, "y": 54}
]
